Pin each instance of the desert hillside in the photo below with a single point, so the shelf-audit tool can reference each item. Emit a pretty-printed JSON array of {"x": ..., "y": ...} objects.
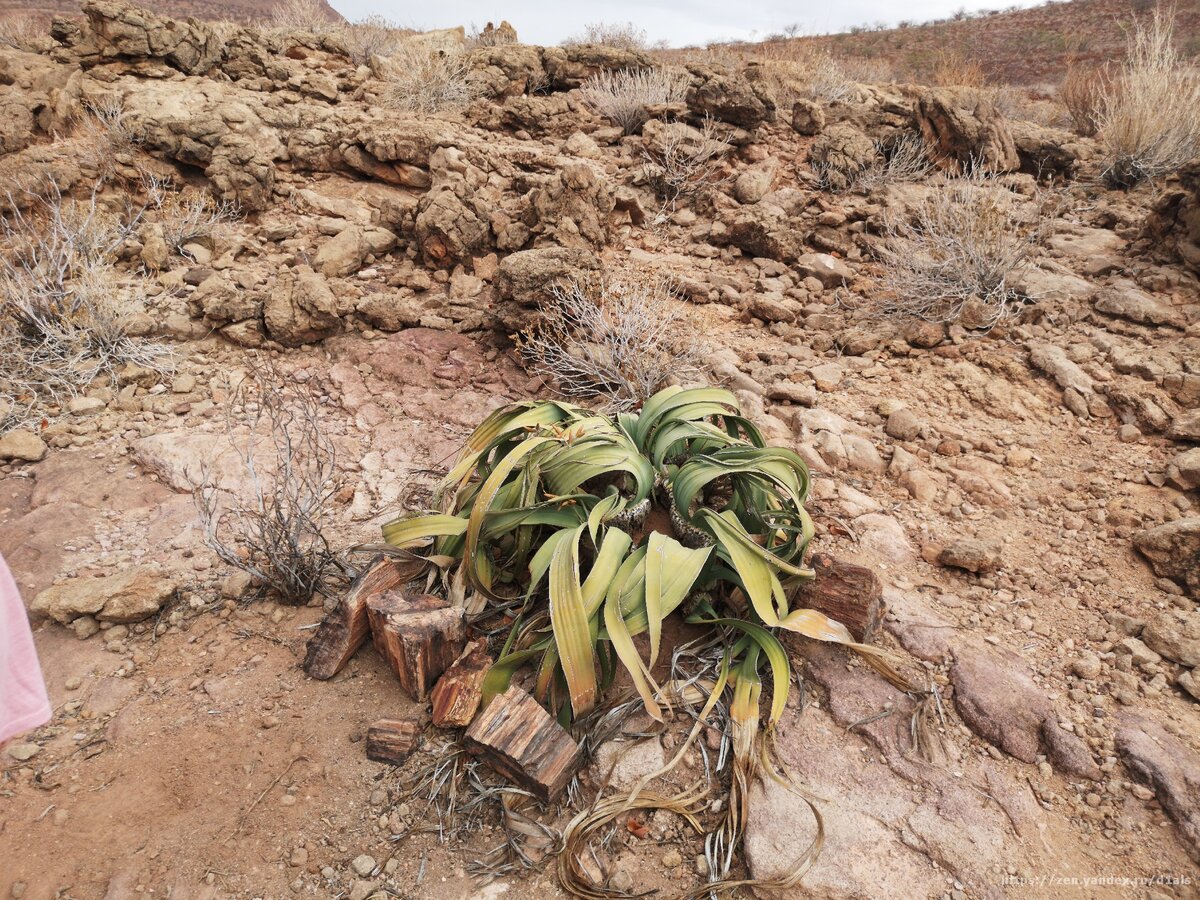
[
  {"x": 1017, "y": 46},
  {"x": 434, "y": 466},
  {"x": 244, "y": 11}
]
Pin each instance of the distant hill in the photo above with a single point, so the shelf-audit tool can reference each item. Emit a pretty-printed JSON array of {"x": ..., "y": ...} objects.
[
  {"x": 1019, "y": 46},
  {"x": 244, "y": 11}
]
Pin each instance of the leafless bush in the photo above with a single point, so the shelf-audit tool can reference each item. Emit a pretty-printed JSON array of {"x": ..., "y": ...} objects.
[
  {"x": 1082, "y": 92},
  {"x": 187, "y": 215},
  {"x": 619, "y": 339},
  {"x": 371, "y": 36},
  {"x": 903, "y": 160},
  {"x": 626, "y": 36},
  {"x": 623, "y": 95},
  {"x": 808, "y": 72},
  {"x": 64, "y": 310},
  {"x": 20, "y": 32},
  {"x": 955, "y": 259},
  {"x": 424, "y": 79},
  {"x": 276, "y": 532},
  {"x": 953, "y": 68},
  {"x": 1150, "y": 114},
  {"x": 683, "y": 160},
  {"x": 303, "y": 15},
  {"x": 106, "y": 133}
]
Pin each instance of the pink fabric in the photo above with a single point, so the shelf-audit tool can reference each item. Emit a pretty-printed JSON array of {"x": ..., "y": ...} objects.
[{"x": 23, "y": 701}]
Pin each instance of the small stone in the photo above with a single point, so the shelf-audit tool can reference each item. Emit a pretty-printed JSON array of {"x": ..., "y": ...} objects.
[
  {"x": 84, "y": 406},
  {"x": 299, "y": 857},
  {"x": 22, "y": 445},
  {"x": 672, "y": 859},
  {"x": 361, "y": 890},
  {"x": 621, "y": 880},
  {"x": 84, "y": 627},
  {"x": 902, "y": 425},
  {"x": 24, "y": 752},
  {"x": 827, "y": 376},
  {"x": 183, "y": 384},
  {"x": 363, "y": 865},
  {"x": 17, "y": 891},
  {"x": 972, "y": 555},
  {"x": 60, "y": 817},
  {"x": 1087, "y": 666},
  {"x": 287, "y": 800},
  {"x": 1189, "y": 681},
  {"x": 1127, "y": 434},
  {"x": 1142, "y": 792},
  {"x": 73, "y": 683}
]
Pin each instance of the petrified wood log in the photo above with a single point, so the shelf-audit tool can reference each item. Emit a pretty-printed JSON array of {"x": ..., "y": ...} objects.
[
  {"x": 345, "y": 628},
  {"x": 392, "y": 740},
  {"x": 457, "y": 694},
  {"x": 846, "y": 592},
  {"x": 521, "y": 741},
  {"x": 419, "y": 636}
]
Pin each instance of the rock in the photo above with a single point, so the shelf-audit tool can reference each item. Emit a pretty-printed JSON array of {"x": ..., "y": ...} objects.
[
  {"x": 997, "y": 698},
  {"x": 963, "y": 127},
  {"x": 1175, "y": 634},
  {"x": 129, "y": 596},
  {"x": 1184, "y": 470},
  {"x": 840, "y": 155},
  {"x": 1087, "y": 666},
  {"x": 85, "y": 406},
  {"x": 672, "y": 859},
  {"x": 1186, "y": 426},
  {"x": 807, "y": 117},
  {"x": 84, "y": 627},
  {"x": 22, "y": 445},
  {"x": 1127, "y": 300},
  {"x": 1189, "y": 682},
  {"x": 217, "y": 299},
  {"x": 569, "y": 67},
  {"x": 902, "y": 425},
  {"x": 1045, "y": 151},
  {"x": 827, "y": 376},
  {"x": 346, "y": 252},
  {"x": 829, "y": 270},
  {"x": 1169, "y": 766},
  {"x": 1173, "y": 550},
  {"x": 301, "y": 308},
  {"x": 730, "y": 98},
  {"x": 155, "y": 252},
  {"x": 117, "y": 31},
  {"x": 797, "y": 392},
  {"x": 752, "y": 184},
  {"x": 920, "y": 333},
  {"x": 622, "y": 764},
  {"x": 882, "y": 536},
  {"x": 972, "y": 555},
  {"x": 528, "y": 277},
  {"x": 23, "y": 752},
  {"x": 363, "y": 865}
]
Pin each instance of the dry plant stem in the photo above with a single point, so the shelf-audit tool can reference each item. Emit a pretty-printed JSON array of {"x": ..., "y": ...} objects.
[
  {"x": 623, "y": 94},
  {"x": 427, "y": 80},
  {"x": 685, "y": 162},
  {"x": 277, "y": 533},
  {"x": 619, "y": 340}
]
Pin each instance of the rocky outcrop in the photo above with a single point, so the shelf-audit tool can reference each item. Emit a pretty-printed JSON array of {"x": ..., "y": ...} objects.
[
  {"x": 1173, "y": 550},
  {"x": 729, "y": 97},
  {"x": 301, "y": 308},
  {"x": 840, "y": 155},
  {"x": 963, "y": 127},
  {"x": 1170, "y": 767},
  {"x": 526, "y": 280},
  {"x": 569, "y": 67},
  {"x": 114, "y": 29},
  {"x": 1175, "y": 218},
  {"x": 1048, "y": 152}
]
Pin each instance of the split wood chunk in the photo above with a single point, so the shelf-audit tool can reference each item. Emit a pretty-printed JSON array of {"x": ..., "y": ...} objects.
[
  {"x": 392, "y": 740},
  {"x": 345, "y": 628},
  {"x": 419, "y": 636},
  {"x": 521, "y": 741},
  {"x": 846, "y": 592},
  {"x": 457, "y": 694}
]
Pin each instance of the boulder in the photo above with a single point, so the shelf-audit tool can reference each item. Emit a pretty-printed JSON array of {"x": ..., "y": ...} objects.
[
  {"x": 1175, "y": 634},
  {"x": 829, "y": 270},
  {"x": 1125, "y": 299},
  {"x": 972, "y": 555},
  {"x": 300, "y": 308},
  {"x": 963, "y": 127},
  {"x": 752, "y": 184},
  {"x": 347, "y": 251},
  {"x": 840, "y": 155},
  {"x": 732, "y": 98},
  {"x": 527, "y": 278},
  {"x": 1175, "y": 217},
  {"x": 569, "y": 67},
  {"x": 1184, "y": 470},
  {"x": 128, "y": 596},
  {"x": 807, "y": 117},
  {"x": 1169, "y": 766},
  {"x": 1046, "y": 151},
  {"x": 22, "y": 445},
  {"x": 1173, "y": 550}
]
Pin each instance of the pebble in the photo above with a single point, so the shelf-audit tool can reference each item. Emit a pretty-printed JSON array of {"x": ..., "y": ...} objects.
[
  {"x": 73, "y": 683},
  {"x": 672, "y": 859},
  {"x": 23, "y": 752},
  {"x": 363, "y": 864},
  {"x": 299, "y": 857}
]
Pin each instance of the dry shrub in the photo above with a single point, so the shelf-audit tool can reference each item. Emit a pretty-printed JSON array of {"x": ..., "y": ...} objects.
[
  {"x": 276, "y": 532},
  {"x": 623, "y": 94},
  {"x": 1082, "y": 92},
  {"x": 425, "y": 79},
  {"x": 867, "y": 70},
  {"x": 187, "y": 215},
  {"x": 20, "y": 32},
  {"x": 905, "y": 159},
  {"x": 372, "y": 36},
  {"x": 812, "y": 73},
  {"x": 492, "y": 36},
  {"x": 683, "y": 161},
  {"x": 1150, "y": 113},
  {"x": 953, "y": 68},
  {"x": 619, "y": 339},
  {"x": 303, "y": 15},
  {"x": 64, "y": 310},
  {"x": 621, "y": 36},
  {"x": 955, "y": 259}
]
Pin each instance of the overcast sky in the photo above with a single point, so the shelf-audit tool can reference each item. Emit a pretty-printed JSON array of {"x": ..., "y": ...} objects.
[{"x": 679, "y": 22}]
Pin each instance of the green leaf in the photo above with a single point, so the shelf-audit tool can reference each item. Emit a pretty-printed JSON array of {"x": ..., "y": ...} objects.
[{"x": 569, "y": 619}]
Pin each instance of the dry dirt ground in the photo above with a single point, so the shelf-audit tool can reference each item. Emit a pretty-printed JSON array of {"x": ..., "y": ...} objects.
[{"x": 996, "y": 481}]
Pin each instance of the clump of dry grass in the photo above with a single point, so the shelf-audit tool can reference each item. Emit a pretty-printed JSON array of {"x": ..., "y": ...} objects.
[
  {"x": 428, "y": 80},
  {"x": 187, "y": 215},
  {"x": 1149, "y": 116},
  {"x": 371, "y": 36},
  {"x": 65, "y": 312},
  {"x": 683, "y": 161},
  {"x": 905, "y": 159},
  {"x": 618, "y": 339},
  {"x": 622, "y": 36},
  {"x": 20, "y": 32},
  {"x": 953, "y": 68},
  {"x": 1082, "y": 92},
  {"x": 303, "y": 15},
  {"x": 955, "y": 260},
  {"x": 623, "y": 94}
]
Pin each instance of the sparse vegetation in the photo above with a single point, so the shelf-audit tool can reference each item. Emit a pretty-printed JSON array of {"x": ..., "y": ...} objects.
[
  {"x": 371, "y": 36},
  {"x": 954, "y": 262},
  {"x": 20, "y": 32},
  {"x": 619, "y": 340},
  {"x": 904, "y": 160},
  {"x": 106, "y": 134},
  {"x": 954, "y": 68},
  {"x": 302, "y": 15},
  {"x": 1150, "y": 113},
  {"x": 64, "y": 311},
  {"x": 623, "y": 94},
  {"x": 622, "y": 36},
  {"x": 187, "y": 215},
  {"x": 428, "y": 80},
  {"x": 275, "y": 532},
  {"x": 683, "y": 161},
  {"x": 1082, "y": 92}
]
